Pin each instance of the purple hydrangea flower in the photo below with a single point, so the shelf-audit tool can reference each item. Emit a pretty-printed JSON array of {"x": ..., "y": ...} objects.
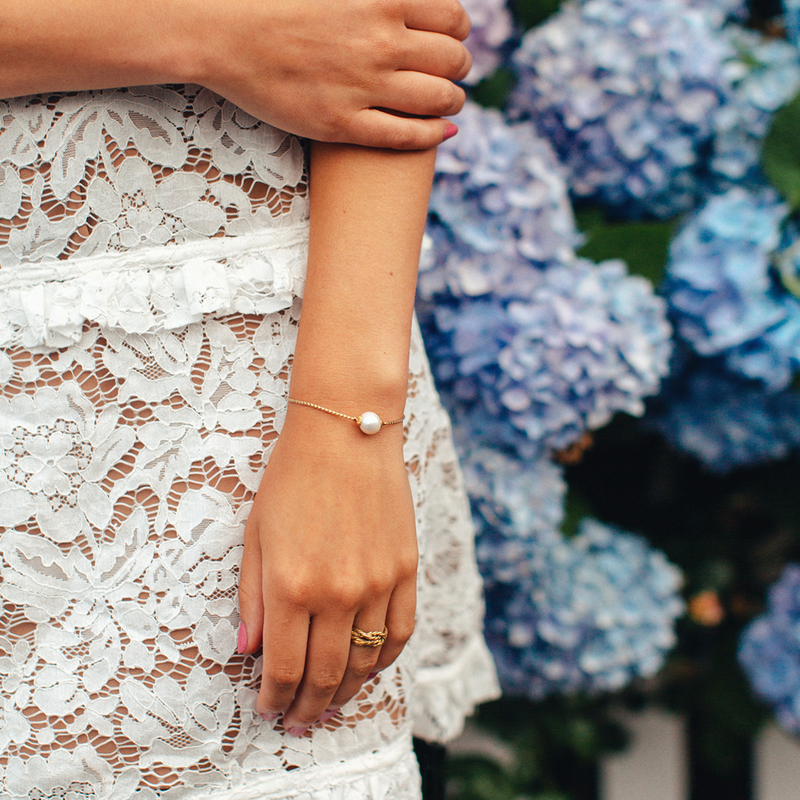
[
  {"x": 491, "y": 29},
  {"x": 764, "y": 76},
  {"x": 628, "y": 94},
  {"x": 769, "y": 650},
  {"x": 723, "y": 420},
  {"x": 589, "y": 341},
  {"x": 500, "y": 211},
  {"x": 586, "y": 614},
  {"x": 730, "y": 282}
]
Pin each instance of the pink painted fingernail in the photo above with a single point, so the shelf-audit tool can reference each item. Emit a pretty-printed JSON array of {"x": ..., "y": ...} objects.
[
  {"x": 372, "y": 675},
  {"x": 241, "y": 645},
  {"x": 296, "y": 731},
  {"x": 450, "y": 131},
  {"x": 270, "y": 716},
  {"x": 326, "y": 715}
]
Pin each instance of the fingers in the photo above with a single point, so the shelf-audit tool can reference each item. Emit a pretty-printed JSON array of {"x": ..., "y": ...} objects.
[
  {"x": 377, "y": 128},
  {"x": 399, "y": 622},
  {"x": 436, "y": 55},
  {"x": 361, "y": 661},
  {"x": 442, "y": 16},
  {"x": 287, "y": 634},
  {"x": 251, "y": 604},
  {"x": 326, "y": 661}
]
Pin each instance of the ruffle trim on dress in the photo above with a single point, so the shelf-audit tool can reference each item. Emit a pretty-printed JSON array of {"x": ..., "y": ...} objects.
[
  {"x": 44, "y": 305},
  {"x": 445, "y": 696},
  {"x": 392, "y": 773}
]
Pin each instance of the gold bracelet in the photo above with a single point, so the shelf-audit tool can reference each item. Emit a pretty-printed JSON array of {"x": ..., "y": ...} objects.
[{"x": 369, "y": 421}]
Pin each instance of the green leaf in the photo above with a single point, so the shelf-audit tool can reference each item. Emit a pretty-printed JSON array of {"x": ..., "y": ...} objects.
[
  {"x": 492, "y": 92},
  {"x": 643, "y": 245},
  {"x": 530, "y": 13},
  {"x": 780, "y": 154},
  {"x": 476, "y": 778}
]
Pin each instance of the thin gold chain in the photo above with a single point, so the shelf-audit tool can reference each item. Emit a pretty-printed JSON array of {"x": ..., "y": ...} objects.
[{"x": 357, "y": 420}]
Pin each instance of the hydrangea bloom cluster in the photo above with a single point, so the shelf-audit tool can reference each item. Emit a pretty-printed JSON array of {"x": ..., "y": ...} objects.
[
  {"x": 629, "y": 94},
  {"x": 769, "y": 650},
  {"x": 491, "y": 29},
  {"x": 512, "y": 498},
  {"x": 725, "y": 421},
  {"x": 729, "y": 277},
  {"x": 764, "y": 77},
  {"x": 589, "y": 341},
  {"x": 791, "y": 15},
  {"x": 585, "y": 614},
  {"x": 500, "y": 211}
]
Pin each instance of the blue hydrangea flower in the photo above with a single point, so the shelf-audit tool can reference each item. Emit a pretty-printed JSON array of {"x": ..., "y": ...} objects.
[
  {"x": 723, "y": 420},
  {"x": 589, "y": 341},
  {"x": 729, "y": 277},
  {"x": 720, "y": 11},
  {"x": 491, "y": 29},
  {"x": 791, "y": 17},
  {"x": 764, "y": 76},
  {"x": 629, "y": 94},
  {"x": 499, "y": 211},
  {"x": 769, "y": 650},
  {"x": 512, "y": 497},
  {"x": 587, "y": 614}
]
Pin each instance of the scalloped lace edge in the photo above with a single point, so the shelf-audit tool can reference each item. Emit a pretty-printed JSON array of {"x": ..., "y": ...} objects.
[{"x": 445, "y": 696}]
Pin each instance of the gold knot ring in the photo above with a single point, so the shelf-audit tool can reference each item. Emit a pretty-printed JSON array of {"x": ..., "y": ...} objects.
[{"x": 368, "y": 638}]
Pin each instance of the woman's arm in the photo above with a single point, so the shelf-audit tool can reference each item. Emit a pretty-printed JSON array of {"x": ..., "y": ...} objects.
[
  {"x": 325, "y": 70},
  {"x": 331, "y": 541}
]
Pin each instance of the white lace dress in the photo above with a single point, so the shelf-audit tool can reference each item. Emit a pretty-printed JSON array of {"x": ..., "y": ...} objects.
[{"x": 152, "y": 253}]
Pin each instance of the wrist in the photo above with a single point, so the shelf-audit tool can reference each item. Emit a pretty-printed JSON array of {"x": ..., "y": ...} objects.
[{"x": 325, "y": 437}]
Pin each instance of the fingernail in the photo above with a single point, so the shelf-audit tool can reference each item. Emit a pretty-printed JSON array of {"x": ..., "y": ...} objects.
[
  {"x": 326, "y": 715},
  {"x": 450, "y": 131},
  {"x": 296, "y": 731},
  {"x": 372, "y": 675},
  {"x": 241, "y": 645},
  {"x": 270, "y": 716}
]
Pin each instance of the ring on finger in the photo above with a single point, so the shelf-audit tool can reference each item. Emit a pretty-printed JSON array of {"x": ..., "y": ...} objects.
[{"x": 368, "y": 638}]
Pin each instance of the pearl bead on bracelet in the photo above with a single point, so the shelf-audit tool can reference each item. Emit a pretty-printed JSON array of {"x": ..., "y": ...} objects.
[{"x": 369, "y": 422}]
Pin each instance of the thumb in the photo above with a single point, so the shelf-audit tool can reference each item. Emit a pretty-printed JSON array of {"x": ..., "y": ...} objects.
[{"x": 251, "y": 601}]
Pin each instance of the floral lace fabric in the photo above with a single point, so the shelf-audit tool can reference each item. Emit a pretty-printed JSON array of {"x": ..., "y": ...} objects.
[{"x": 152, "y": 245}]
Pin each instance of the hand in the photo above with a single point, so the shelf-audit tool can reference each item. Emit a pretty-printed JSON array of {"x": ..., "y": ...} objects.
[
  {"x": 357, "y": 71},
  {"x": 330, "y": 543}
]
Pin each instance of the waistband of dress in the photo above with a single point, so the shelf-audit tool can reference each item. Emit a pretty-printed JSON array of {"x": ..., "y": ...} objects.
[
  {"x": 369, "y": 776},
  {"x": 44, "y": 305},
  {"x": 154, "y": 257}
]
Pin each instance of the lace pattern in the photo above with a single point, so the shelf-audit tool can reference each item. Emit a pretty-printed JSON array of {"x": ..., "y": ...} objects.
[
  {"x": 141, "y": 391},
  {"x": 116, "y": 170}
]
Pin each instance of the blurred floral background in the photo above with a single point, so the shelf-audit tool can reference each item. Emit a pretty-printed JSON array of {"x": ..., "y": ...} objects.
[{"x": 610, "y": 298}]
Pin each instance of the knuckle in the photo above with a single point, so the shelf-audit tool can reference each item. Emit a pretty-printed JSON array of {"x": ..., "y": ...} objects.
[
  {"x": 463, "y": 63},
  {"x": 456, "y": 19},
  {"x": 283, "y": 678},
  {"x": 402, "y": 631},
  {"x": 408, "y": 567},
  {"x": 361, "y": 671},
  {"x": 445, "y": 97},
  {"x": 325, "y": 684},
  {"x": 346, "y": 595}
]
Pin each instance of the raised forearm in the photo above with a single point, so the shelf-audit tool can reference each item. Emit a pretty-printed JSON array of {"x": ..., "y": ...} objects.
[
  {"x": 368, "y": 210},
  {"x": 324, "y": 70},
  {"x": 93, "y": 44}
]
